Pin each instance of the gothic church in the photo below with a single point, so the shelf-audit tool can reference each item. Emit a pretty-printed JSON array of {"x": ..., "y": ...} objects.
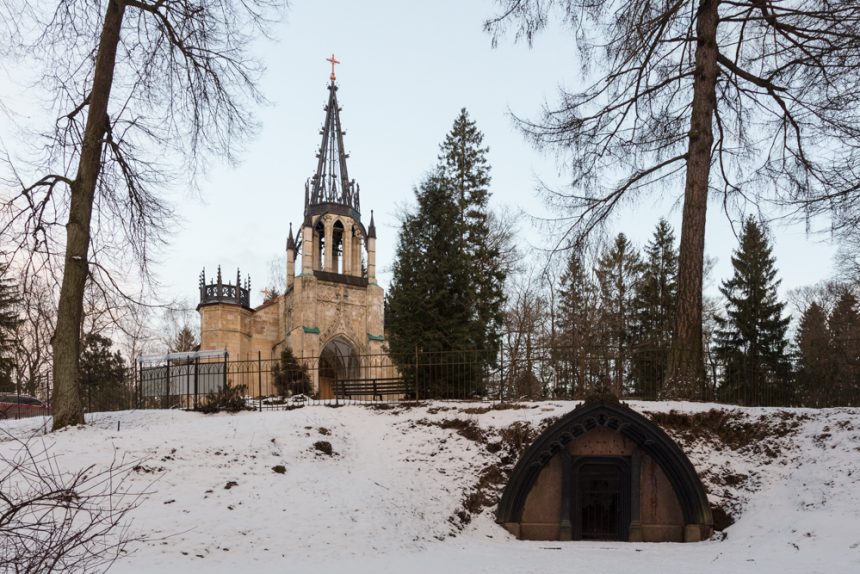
[{"x": 332, "y": 309}]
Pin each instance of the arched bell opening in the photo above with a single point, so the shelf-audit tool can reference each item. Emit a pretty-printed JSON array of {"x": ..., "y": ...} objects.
[
  {"x": 319, "y": 245},
  {"x": 338, "y": 362},
  {"x": 337, "y": 237}
]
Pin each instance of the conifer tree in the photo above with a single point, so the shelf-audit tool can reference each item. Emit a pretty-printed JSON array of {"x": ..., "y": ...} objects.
[
  {"x": 844, "y": 326},
  {"x": 103, "y": 375},
  {"x": 8, "y": 327},
  {"x": 815, "y": 357},
  {"x": 185, "y": 341},
  {"x": 655, "y": 301},
  {"x": 577, "y": 327},
  {"x": 618, "y": 272},
  {"x": 290, "y": 377},
  {"x": 447, "y": 286},
  {"x": 429, "y": 303},
  {"x": 463, "y": 164},
  {"x": 751, "y": 339}
]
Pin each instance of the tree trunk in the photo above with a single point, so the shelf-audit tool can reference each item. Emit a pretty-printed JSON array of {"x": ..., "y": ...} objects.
[
  {"x": 68, "y": 407},
  {"x": 687, "y": 360}
]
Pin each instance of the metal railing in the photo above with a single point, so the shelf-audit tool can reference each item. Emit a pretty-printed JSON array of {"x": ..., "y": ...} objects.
[{"x": 524, "y": 373}]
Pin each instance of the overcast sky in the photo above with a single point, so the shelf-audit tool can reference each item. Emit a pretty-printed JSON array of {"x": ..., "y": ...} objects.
[{"x": 407, "y": 69}]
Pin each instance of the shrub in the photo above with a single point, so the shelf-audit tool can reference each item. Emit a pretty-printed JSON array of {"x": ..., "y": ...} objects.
[
  {"x": 228, "y": 399},
  {"x": 290, "y": 377}
]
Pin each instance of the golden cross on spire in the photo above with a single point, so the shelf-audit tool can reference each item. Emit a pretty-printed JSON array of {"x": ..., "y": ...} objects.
[{"x": 333, "y": 61}]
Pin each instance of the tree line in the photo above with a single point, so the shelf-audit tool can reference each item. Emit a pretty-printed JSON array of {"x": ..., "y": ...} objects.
[
  {"x": 458, "y": 316},
  {"x": 605, "y": 324},
  {"x": 111, "y": 340}
]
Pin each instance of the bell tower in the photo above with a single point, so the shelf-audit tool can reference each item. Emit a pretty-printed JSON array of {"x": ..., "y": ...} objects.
[{"x": 333, "y": 303}]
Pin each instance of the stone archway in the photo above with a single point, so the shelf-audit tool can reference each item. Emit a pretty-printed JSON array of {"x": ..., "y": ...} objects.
[
  {"x": 338, "y": 362},
  {"x": 605, "y": 472}
]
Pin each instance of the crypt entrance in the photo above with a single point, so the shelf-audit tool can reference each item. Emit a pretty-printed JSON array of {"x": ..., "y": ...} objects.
[
  {"x": 601, "y": 505},
  {"x": 338, "y": 363},
  {"x": 605, "y": 472}
]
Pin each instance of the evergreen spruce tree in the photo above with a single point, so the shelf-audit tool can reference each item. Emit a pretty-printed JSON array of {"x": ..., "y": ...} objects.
[
  {"x": 618, "y": 272},
  {"x": 463, "y": 164},
  {"x": 844, "y": 325},
  {"x": 816, "y": 363},
  {"x": 103, "y": 375},
  {"x": 751, "y": 339},
  {"x": 577, "y": 322},
  {"x": 655, "y": 300},
  {"x": 8, "y": 327},
  {"x": 185, "y": 341},
  {"x": 429, "y": 304},
  {"x": 446, "y": 292},
  {"x": 290, "y": 376}
]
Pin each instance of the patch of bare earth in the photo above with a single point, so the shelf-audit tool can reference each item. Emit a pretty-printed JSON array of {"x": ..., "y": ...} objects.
[
  {"x": 746, "y": 443},
  {"x": 502, "y": 447}
]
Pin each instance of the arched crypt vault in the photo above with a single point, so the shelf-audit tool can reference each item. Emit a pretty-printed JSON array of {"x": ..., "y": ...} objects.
[{"x": 605, "y": 472}]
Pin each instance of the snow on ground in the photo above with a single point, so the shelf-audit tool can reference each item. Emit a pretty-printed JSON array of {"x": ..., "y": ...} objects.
[{"x": 387, "y": 499}]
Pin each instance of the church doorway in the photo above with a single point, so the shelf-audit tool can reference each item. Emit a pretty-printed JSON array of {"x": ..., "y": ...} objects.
[{"x": 338, "y": 363}]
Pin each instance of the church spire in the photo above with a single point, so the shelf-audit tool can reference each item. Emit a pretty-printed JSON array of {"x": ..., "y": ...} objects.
[
  {"x": 331, "y": 184},
  {"x": 371, "y": 231},
  {"x": 291, "y": 243}
]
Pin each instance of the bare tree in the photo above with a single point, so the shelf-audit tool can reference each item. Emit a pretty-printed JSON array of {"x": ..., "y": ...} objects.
[
  {"x": 142, "y": 90},
  {"x": 848, "y": 259},
  {"x": 33, "y": 352},
  {"x": 735, "y": 99},
  {"x": 137, "y": 334},
  {"x": 53, "y": 520},
  {"x": 824, "y": 293},
  {"x": 525, "y": 328},
  {"x": 180, "y": 316}
]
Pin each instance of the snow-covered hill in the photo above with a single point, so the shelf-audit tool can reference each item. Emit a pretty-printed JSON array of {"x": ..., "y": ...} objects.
[{"x": 411, "y": 489}]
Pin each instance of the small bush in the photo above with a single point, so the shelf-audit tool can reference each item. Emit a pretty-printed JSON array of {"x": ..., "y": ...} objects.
[
  {"x": 291, "y": 377},
  {"x": 228, "y": 400},
  {"x": 324, "y": 447}
]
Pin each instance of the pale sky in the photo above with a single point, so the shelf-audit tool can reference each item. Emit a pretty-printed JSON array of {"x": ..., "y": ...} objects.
[{"x": 407, "y": 69}]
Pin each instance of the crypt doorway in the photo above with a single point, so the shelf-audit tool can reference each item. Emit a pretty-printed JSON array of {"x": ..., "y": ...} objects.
[
  {"x": 338, "y": 363},
  {"x": 601, "y": 505}
]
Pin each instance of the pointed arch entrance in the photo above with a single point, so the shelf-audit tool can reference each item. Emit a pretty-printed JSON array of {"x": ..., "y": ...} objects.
[
  {"x": 338, "y": 362},
  {"x": 605, "y": 472}
]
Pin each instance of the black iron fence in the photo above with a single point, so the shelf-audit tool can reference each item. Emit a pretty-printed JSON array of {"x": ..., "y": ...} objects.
[
  {"x": 522, "y": 373},
  {"x": 538, "y": 373}
]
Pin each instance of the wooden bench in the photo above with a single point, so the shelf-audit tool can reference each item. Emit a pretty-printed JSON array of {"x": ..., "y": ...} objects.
[{"x": 376, "y": 388}]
